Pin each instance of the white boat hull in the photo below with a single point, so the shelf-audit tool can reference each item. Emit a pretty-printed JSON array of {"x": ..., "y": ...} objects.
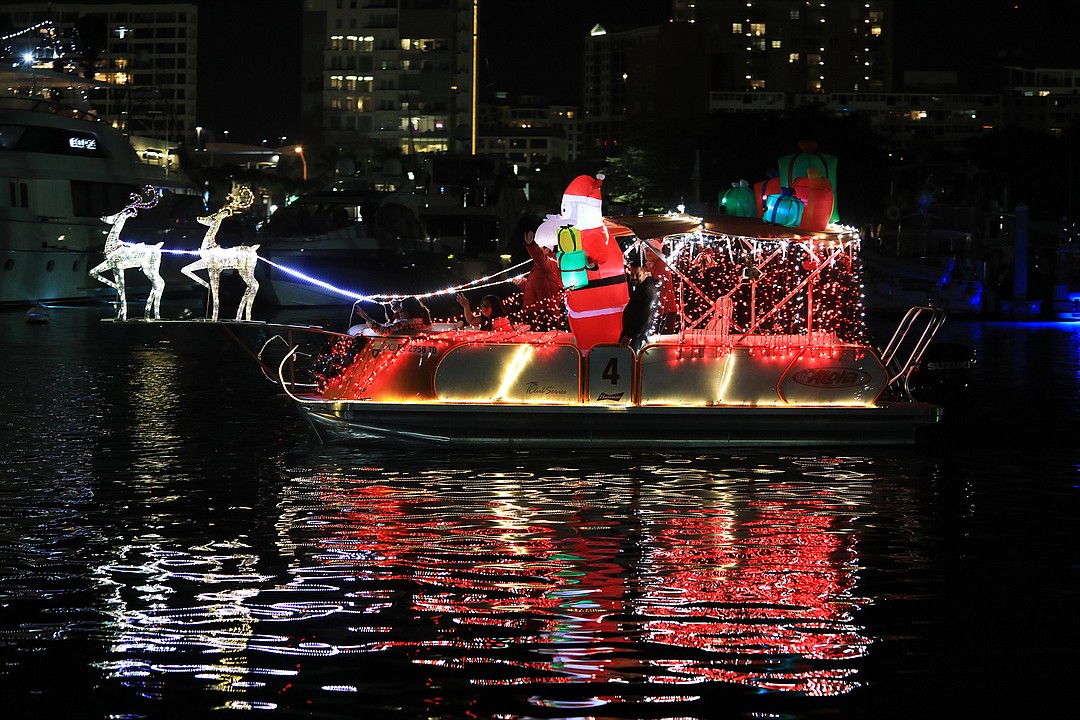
[
  {"x": 29, "y": 276},
  {"x": 57, "y": 188}
]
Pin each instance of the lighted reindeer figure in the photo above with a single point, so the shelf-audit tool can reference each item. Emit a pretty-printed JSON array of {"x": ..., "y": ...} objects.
[
  {"x": 119, "y": 256},
  {"x": 216, "y": 259}
]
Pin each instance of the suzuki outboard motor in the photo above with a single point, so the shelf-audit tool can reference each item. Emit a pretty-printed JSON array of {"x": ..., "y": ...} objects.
[{"x": 944, "y": 375}]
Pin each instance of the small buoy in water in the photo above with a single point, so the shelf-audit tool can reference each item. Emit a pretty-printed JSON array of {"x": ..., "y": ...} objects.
[{"x": 37, "y": 314}]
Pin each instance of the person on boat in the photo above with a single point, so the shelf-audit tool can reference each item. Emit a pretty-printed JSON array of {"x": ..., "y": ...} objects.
[
  {"x": 595, "y": 309},
  {"x": 543, "y": 281},
  {"x": 492, "y": 315},
  {"x": 640, "y": 313},
  {"x": 668, "y": 309},
  {"x": 410, "y": 316},
  {"x": 541, "y": 289}
]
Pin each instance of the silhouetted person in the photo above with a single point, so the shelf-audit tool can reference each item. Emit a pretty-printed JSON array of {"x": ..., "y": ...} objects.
[{"x": 640, "y": 312}]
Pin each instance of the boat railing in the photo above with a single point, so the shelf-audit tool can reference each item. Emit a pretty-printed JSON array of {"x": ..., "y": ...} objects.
[
  {"x": 286, "y": 375},
  {"x": 909, "y": 341},
  {"x": 285, "y": 370},
  {"x": 45, "y": 105}
]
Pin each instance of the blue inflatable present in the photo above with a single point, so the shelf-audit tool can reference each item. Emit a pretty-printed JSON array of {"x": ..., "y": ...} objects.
[{"x": 783, "y": 208}]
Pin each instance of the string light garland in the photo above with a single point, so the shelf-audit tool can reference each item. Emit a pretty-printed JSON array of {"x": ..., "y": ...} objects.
[
  {"x": 776, "y": 297},
  {"x": 794, "y": 286}
]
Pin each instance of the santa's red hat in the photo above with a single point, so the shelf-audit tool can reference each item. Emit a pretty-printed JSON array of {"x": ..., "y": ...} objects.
[{"x": 585, "y": 189}]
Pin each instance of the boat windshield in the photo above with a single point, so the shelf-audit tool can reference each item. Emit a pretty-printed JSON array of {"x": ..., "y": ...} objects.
[{"x": 54, "y": 141}]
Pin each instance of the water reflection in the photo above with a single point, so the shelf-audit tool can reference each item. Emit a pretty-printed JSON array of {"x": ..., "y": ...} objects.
[
  {"x": 170, "y": 541},
  {"x": 660, "y": 575}
]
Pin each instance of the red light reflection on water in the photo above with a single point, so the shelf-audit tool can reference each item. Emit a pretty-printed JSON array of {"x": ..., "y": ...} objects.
[
  {"x": 775, "y": 583},
  {"x": 763, "y": 594}
]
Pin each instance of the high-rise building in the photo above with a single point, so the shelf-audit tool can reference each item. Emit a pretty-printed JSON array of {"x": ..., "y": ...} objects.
[
  {"x": 529, "y": 134},
  {"x": 396, "y": 72},
  {"x": 771, "y": 54},
  {"x": 142, "y": 59},
  {"x": 803, "y": 47}
]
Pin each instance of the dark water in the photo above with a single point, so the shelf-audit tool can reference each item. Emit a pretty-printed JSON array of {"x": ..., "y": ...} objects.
[{"x": 174, "y": 543}]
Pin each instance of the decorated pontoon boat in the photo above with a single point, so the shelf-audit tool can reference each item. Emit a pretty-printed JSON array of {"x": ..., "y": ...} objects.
[
  {"x": 770, "y": 349},
  {"x": 758, "y": 337}
]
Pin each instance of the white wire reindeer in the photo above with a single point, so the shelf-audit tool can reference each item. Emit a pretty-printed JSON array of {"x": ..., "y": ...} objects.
[
  {"x": 216, "y": 259},
  {"x": 120, "y": 256}
]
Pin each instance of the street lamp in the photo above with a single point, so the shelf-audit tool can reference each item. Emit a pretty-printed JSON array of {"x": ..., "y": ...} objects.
[
  {"x": 198, "y": 137},
  {"x": 300, "y": 152}
]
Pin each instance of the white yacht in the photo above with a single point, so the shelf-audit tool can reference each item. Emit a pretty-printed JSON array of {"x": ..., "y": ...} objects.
[{"x": 61, "y": 170}]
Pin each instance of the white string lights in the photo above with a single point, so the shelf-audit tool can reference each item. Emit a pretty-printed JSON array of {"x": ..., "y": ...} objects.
[{"x": 120, "y": 256}]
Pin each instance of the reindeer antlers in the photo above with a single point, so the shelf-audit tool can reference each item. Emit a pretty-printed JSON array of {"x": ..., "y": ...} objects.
[
  {"x": 241, "y": 198},
  {"x": 146, "y": 198}
]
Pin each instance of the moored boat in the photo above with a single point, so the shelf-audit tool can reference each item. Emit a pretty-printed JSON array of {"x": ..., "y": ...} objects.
[
  {"x": 447, "y": 222},
  {"x": 345, "y": 237},
  {"x": 62, "y": 171}
]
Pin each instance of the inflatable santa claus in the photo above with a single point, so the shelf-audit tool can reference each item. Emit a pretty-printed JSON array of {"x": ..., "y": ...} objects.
[{"x": 595, "y": 309}]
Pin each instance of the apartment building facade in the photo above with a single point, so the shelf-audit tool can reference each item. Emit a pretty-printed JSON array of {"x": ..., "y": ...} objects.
[{"x": 395, "y": 72}]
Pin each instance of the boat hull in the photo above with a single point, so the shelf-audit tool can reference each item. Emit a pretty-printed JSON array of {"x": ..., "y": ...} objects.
[
  {"x": 28, "y": 276},
  {"x": 588, "y": 426},
  {"x": 57, "y": 188}
]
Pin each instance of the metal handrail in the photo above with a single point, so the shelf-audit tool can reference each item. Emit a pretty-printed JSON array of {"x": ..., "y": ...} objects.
[{"x": 930, "y": 327}]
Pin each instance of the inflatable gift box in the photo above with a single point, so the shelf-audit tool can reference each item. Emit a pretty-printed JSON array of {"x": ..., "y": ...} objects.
[
  {"x": 797, "y": 165},
  {"x": 816, "y": 194},
  {"x": 762, "y": 190},
  {"x": 572, "y": 259},
  {"x": 783, "y": 208},
  {"x": 739, "y": 200}
]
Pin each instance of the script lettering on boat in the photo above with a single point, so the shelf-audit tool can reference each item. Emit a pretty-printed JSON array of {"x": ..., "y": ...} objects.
[
  {"x": 831, "y": 377},
  {"x": 534, "y": 388}
]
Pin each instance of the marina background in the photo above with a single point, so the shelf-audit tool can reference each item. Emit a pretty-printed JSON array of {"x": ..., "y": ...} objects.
[{"x": 176, "y": 542}]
